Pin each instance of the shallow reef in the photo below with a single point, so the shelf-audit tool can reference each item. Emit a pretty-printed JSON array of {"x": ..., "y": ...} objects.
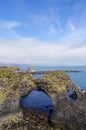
[{"x": 66, "y": 115}]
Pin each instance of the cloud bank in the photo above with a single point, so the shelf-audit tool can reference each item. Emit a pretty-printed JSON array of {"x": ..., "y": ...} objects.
[
  {"x": 53, "y": 33},
  {"x": 35, "y": 52}
]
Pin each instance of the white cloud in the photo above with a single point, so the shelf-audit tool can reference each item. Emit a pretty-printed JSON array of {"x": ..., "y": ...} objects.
[
  {"x": 9, "y": 24},
  {"x": 7, "y": 27},
  {"x": 71, "y": 26},
  {"x": 78, "y": 36},
  {"x": 53, "y": 30},
  {"x": 33, "y": 51}
]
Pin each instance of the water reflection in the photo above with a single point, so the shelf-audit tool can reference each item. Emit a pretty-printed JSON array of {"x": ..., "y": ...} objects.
[{"x": 38, "y": 100}]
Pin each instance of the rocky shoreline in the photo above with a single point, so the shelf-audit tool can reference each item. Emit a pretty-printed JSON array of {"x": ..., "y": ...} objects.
[
  {"x": 45, "y": 72},
  {"x": 66, "y": 115}
]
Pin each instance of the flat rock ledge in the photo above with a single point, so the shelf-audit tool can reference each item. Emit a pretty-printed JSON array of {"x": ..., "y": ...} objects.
[{"x": 67, "y": 115}]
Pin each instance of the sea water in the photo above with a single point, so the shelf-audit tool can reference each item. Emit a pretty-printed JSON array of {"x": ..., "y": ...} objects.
[{"x": 79, "y": 78}]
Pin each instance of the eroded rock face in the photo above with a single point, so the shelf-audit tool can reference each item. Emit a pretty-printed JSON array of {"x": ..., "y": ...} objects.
[
  {"x": 10, "y": 105},
  {"x": 71, "y": 114},
  {"x": 66, "y": 115},
  {"x": 15, "y": 86}
]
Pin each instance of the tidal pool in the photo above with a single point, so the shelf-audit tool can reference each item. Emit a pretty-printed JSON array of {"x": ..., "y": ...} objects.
[
  {"x": 69, "y": 98},
  {"x": 39, "y": 100},
  {"x": 36, "y": 76}
]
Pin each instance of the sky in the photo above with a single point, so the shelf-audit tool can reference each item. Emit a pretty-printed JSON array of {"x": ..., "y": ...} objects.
[{"x": 43, "y": 32}]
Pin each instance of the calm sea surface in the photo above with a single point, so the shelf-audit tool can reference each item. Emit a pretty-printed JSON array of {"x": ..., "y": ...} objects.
[{"x": 78, "y": 78}]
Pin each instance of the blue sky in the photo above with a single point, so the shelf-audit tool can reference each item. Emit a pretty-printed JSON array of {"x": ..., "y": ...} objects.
[{"x": 43, "y": 32}]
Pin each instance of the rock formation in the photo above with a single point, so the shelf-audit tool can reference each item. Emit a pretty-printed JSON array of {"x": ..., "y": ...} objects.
[{"x": 66, "y": 115}]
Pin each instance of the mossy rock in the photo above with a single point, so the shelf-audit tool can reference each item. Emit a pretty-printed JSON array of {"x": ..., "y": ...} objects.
[
  {"x": 54, "y": 83},
  {"x": 11, "y": 82},
  {"x": 14, "y": 84}
]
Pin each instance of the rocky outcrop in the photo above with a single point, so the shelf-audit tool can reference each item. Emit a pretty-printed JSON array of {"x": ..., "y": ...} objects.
[
  {"x": 73, "y": 114},
  {"x": 15, "y": 86},
  {"x": 66, "y": 115}
]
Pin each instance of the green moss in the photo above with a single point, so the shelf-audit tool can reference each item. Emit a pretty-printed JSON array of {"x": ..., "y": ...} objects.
[
  {"x": 3, "y": 94},
  {"x": 11, "y": 81},
  {"x": 55, "y": 80}
]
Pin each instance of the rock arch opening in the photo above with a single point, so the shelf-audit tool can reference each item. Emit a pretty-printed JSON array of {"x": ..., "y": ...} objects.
[
  {"x": 37, "y": 103},
  {"x": 71, "y": 95}
]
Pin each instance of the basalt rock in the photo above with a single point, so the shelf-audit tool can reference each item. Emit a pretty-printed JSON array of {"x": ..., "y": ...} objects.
[{"x": 66, "y": 115}]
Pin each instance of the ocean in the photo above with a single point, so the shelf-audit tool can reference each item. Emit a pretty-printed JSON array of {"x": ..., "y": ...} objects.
[{"x": 78, "y": 78}]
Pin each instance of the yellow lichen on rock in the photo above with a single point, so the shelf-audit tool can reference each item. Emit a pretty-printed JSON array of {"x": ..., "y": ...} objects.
[
  {"x": 54, "y": 82},
  {"x": 11, "y": 81}
]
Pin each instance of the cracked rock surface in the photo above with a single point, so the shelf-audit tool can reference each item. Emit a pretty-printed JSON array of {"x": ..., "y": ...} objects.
[{"x": 67, "y": 115}]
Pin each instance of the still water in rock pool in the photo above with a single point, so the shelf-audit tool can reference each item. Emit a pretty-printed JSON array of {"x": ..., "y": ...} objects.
[
  {"x": 69, "y": 93},
  {"x": 36, "y": 76},
  {"x": 38, "y": 100}
]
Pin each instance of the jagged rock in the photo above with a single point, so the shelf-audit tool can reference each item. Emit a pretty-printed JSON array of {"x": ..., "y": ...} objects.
[
  {"x": 73, "y": 114},
  {"x": 65, "y": 116}
]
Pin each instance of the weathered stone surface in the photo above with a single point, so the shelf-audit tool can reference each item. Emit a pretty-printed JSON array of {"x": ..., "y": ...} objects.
[
  {"x": 10, "y": 105},
  {"x": 16, "y": 85},
  {"x": 66, "y": 115},
  {"x": 73, "y": 114}
]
